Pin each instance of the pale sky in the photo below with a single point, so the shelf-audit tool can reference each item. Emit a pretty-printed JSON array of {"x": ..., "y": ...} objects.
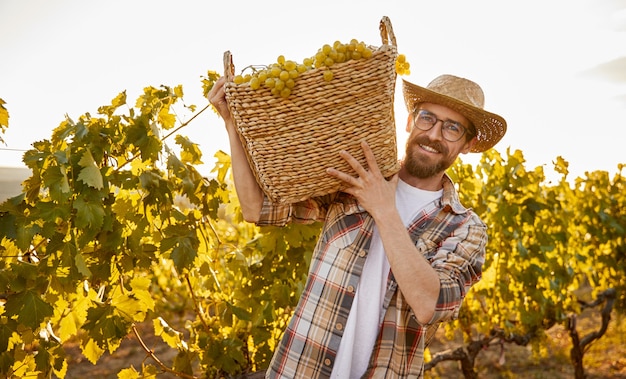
[{"x": 554, "y": 69}]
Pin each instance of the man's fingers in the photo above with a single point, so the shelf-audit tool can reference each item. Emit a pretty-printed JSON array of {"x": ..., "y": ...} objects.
[
  {"x": 341, "y": 176},
  {"x": 356, "y": 166},
  {"x": 370, "y": 158},
  {"x": 362, "y": 172}
]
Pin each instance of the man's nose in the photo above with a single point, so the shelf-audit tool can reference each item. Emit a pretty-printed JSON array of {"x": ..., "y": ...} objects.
[{"x": 435, "y": 133}]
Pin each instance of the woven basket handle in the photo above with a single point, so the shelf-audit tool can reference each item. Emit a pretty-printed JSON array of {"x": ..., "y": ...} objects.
[
  {"x": 386, "y": 31},
  {"x": 229, "y": 67}
]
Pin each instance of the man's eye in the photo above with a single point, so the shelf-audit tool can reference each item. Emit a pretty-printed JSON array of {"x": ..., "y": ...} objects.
[
  {"x": 453, "y": 126},
  {"x": 427, "y": 117}
]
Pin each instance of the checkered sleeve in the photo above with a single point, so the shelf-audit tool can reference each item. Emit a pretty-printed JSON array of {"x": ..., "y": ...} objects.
[
  {"x": 304, "y": 212},
  {"x": 458, "y": 261}
]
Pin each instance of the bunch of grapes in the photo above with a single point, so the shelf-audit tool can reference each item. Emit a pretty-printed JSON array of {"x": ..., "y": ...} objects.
[
  {"x": 402, "y": 66},
  {"x": 280, "y": 77}
]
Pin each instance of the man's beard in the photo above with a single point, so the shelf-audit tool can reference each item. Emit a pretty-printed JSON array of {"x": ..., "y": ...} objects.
[{"x": 420, "y": 168}]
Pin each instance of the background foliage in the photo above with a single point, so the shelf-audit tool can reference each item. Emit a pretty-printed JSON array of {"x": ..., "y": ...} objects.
[{"x": 116, "y": 226}]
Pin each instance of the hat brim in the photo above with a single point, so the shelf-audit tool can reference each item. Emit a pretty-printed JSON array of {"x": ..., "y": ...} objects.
[{"x": 490, "y": 127}]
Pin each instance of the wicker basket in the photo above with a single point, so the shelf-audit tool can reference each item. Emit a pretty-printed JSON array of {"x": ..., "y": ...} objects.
[{"x": 291, "y": 142}]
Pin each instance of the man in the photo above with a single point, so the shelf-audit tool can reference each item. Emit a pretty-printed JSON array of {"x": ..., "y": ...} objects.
[{"x": 396, "y": 255}]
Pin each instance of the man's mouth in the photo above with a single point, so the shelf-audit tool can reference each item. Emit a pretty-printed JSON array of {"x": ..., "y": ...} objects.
[{"x": 429, "y": 148}]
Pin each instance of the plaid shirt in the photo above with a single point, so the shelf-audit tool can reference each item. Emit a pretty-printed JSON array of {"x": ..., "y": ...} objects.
[{"x": 450, "y": 236}]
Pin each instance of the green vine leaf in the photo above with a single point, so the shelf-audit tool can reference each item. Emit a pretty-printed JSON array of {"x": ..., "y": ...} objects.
[
  {"x": 106, "y": 327},
  {"x": 89, "y": 214},
  {"x": 29, "y": 308}
]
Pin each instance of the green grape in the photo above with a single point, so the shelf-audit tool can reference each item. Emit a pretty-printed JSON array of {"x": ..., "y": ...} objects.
[
  {"x": 284, "y": 75},
  {"x": 281, "y": 77},
  {"x": 270, "y": 82},
  {"x": 279, "y": 84},
  {"x": 275, "y": 71},
  {"x": 255, "y": 83},
  {"x": 285, "y": 92},
  {"x": 290, "y": 65}
]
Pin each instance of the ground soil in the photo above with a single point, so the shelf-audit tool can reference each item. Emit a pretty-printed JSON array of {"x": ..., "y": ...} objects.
[{"x": 606, "y": 358}]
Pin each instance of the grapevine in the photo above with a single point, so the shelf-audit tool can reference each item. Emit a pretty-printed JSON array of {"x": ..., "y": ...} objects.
[{"x": 280, "y": 77}]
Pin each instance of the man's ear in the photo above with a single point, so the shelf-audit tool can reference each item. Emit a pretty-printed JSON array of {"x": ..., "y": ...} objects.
[
  {"x": 409, "y": 123},
  {"x": 469, "y": 145}
]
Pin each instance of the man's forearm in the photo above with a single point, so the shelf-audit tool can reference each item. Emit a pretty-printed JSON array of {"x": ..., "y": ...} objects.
[
  {"x": 248, "y": 191},
  {"x": 417, "y": 280}
]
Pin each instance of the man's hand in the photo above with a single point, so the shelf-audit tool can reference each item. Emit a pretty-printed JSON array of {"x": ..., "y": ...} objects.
[
  {"x": 375, "y": 193},
  {"x": 248, "y": 190},
  {"x": 217, "y": 97}
]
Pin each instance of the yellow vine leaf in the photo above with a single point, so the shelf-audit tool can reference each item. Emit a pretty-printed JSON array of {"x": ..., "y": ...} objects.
[
  {"x": 166, "y": 119},
  {"x": 141, "y": 285},
  {"x": 120, "y": 99},
  {"x": 90, "y": 174},
  {"x": 169, "y": 335},
  {"x": 178, "y": 90},
  {"x": 128, "y": 307},
  {"x": 4, "y": 115},
  {"x": 92, "y": 351},
  {"x": 70, "y": 324},
  {"x": 128, "y": 373},
  {"x": 137, "y": 166}
]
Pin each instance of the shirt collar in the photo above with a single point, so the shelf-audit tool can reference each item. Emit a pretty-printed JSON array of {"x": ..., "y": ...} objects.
[{"x": 450, "y": 197}]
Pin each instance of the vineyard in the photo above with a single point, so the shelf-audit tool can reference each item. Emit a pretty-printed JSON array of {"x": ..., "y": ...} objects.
[{"x": 117, "y": 236}]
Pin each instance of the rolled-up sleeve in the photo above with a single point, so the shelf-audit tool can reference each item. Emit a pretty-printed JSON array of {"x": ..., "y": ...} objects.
[
  {"x": 458, "y": 261},
  {"x": 304, "y": 212}
]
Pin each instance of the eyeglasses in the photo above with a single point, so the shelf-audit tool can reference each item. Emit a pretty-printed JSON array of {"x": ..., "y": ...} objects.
[{"x": 452, "y": 131}]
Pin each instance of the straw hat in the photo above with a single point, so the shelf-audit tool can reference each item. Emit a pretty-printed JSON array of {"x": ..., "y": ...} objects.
[{"x": 463, "y": 96}]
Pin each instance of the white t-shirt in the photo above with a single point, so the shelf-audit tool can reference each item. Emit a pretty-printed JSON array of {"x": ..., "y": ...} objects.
[{"x": 366, "y": 314}]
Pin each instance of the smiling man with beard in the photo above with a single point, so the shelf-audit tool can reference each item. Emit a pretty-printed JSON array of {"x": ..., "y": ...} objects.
[{"x": 396, "y": 256}]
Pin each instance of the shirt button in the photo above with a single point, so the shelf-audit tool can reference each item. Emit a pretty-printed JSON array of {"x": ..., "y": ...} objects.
[
  {"x": 327, "y": 362},
  {"x": 350, "y": 289},
  {"x": 339, "y": 326},
  {"x": 362, "y": 253}
]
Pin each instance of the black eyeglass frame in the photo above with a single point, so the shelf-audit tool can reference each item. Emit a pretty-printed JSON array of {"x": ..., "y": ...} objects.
[{"x": 444, "y": 124}]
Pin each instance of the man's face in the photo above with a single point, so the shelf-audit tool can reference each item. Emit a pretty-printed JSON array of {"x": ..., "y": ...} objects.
[{"x": 427, "y": 152}]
